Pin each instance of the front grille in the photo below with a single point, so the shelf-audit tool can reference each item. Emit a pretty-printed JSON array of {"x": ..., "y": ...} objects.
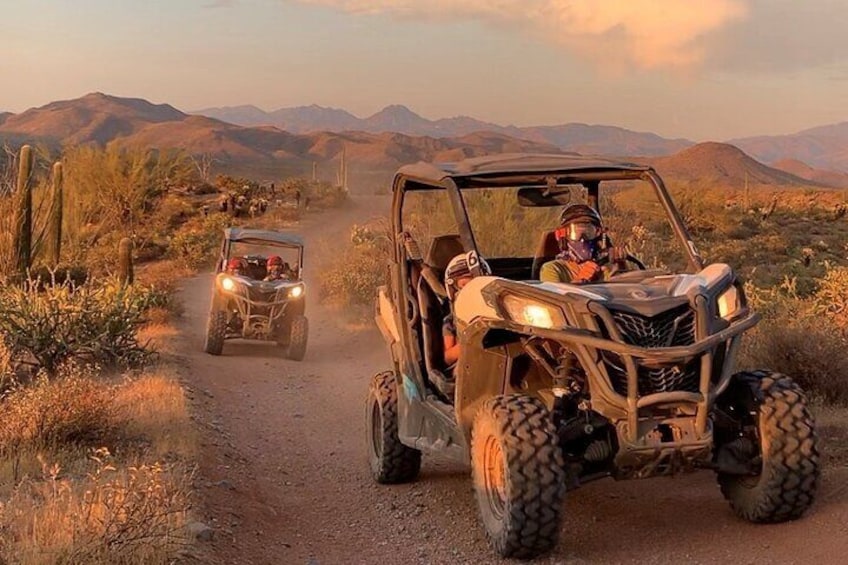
[
  {"x": 671, "y": 328},
  {"x": 675, "y": 327},
  {"x": 651, "y": 381},
  {"x": 262, "y": 295}
]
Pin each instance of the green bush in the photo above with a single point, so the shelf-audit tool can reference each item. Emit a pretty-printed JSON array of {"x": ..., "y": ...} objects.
[
  {"x": 803, "y": 337},
  {"x": 196, "y": 243},
  {"x": 97, "y": 322},
  {"x": 354, "y": 274}
]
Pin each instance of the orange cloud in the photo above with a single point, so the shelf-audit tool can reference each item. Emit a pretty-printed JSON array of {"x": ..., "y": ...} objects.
[{"x": 646, "y": 33}]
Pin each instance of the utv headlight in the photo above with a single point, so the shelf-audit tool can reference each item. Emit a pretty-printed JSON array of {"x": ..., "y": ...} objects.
[
  {"x": 228, "y": 284},
  {"x": 532, "y": 313},
  {"x": 728, "y": 303},
  {"x": 296, "y": 292}
]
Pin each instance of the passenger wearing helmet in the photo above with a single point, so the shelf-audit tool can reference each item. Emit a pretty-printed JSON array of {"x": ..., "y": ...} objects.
[
  {"x": 582, "y": 242},
  {"x": 237, "y": 266},
  {"x": 277, "y": 269},
  {"x": 459, "y": 273}
]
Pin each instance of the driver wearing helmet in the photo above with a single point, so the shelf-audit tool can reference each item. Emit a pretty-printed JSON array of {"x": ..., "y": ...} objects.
[
  {"x": 459, "y": 273},
  {"x": 237, "y": 266},
  {"x": 277, "y": 269},
  {"x": 582, "y": 244}
]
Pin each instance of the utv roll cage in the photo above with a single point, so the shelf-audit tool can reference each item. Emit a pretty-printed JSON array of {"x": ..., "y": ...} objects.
[
  {"x": 259, "y": 237},
  {"x": 511, "y": 170}
]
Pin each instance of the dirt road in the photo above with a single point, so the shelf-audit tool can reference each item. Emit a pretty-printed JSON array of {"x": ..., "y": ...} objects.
[{"x": 284, "y": 480}]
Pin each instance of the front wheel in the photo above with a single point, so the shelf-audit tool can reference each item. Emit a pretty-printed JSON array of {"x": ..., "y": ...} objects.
[
  {"x": 297, "y": 338},
  {"x": 518, "y": 473},
  {"x": 765, "y": 424},
  {"x": 216, "y": 331},
  {"x": 390, "y": 460}
]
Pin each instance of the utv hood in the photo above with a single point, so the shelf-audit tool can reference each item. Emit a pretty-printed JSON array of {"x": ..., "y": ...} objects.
[{"x": 482, "y": 297}]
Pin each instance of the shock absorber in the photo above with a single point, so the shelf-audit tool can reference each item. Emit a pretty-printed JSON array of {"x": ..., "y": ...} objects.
[
  {"x": 560, "y": 389},
  {"x": 599, "y": 450}
]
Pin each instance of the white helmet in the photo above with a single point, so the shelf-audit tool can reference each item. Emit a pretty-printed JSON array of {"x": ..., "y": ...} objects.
[{"x": 464, "y": 265}]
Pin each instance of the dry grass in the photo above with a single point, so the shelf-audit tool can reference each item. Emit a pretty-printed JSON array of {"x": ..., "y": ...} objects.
[
  {"x": 153, "y": 407},
  {"x": 72, "y": 409},
  {"x": 65, "y": 499},
  {"x": 114, "y": 514}
]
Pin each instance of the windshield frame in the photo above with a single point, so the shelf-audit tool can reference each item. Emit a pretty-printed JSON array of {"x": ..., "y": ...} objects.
[{"x": 590, "y": 178}]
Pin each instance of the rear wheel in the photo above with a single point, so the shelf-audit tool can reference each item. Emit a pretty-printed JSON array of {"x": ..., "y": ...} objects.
[
  {"x": 765, "y": 424},
  {"x": 297, "y": 338},
  {"x": 390, "y": 460},
  {"x": 216, "y": 331},
  {"x": 519, "y": 480}
]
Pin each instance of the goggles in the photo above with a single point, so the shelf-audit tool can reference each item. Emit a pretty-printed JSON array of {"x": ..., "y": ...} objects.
[{"x": 576, "y": 231}]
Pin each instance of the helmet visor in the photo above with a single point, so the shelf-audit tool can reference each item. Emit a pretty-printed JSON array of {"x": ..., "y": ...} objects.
[{"x": 577, "y": 231}]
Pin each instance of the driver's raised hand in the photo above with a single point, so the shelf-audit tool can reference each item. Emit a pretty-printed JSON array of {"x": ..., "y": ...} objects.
[{"x": 587, "y": 272}]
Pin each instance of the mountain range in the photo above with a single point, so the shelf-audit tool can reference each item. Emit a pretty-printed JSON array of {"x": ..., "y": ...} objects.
[
  {"x": 824, "y": 147},
  {"x": 376, "y": 149},
  {"x": 580, "y": 138}
]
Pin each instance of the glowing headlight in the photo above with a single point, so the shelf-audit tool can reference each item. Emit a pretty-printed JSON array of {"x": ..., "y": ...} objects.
[
  {"x": 728, "y": 303},
  {"x": 296, "y": 291},
  {"x": 531, "y": 313},
  {"x": 228, "y": 284}
]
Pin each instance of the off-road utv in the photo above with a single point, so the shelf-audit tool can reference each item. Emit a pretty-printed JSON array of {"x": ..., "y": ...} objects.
[
  {"x": 246, "y": 306},
  {"x": 561, "y": 384}
]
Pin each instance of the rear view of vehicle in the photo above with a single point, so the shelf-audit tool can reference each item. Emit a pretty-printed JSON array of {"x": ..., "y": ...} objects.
[{"x": 247, "y": 303}]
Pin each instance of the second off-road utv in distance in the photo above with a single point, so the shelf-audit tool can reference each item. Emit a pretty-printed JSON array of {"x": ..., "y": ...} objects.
[
  {"x": 246, "y": 306},
  {"x": 560, "y": 384}
]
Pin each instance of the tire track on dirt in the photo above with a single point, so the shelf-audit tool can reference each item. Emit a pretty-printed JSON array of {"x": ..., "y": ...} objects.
[{"x": 284, "y": 477}]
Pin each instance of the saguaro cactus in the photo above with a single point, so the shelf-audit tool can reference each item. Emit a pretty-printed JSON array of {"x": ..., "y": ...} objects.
[
  {"x": 125, "y": 262},
  {"x": 23, "y": 219},
  {"x": 55, "y": 237}
]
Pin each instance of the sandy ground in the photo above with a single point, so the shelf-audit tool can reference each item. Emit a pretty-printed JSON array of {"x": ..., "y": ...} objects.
[{"x": 284, "y": 479}]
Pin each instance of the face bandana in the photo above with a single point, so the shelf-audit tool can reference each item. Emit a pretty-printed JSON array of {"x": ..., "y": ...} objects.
[
  {"x": 580, "y": 251},
  {"x": 580, "y": 241}
]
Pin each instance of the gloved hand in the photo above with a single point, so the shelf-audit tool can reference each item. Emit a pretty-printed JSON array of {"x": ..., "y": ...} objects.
[
  {"x": 617, "y": 254},
  {"x": 587, "y": 271}
]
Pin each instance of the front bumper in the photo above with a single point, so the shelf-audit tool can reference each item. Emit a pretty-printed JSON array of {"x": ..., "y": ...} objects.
[{"x": 660, "y": 432}]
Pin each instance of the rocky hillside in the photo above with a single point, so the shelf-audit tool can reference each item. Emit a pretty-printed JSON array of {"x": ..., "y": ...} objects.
[{"x": 724, "y": 164}]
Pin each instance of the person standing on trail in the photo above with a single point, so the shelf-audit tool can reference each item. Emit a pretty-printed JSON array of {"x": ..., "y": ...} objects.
[
  {"x": 459, "y": 273},
  {"x": 582, "y": 243}
]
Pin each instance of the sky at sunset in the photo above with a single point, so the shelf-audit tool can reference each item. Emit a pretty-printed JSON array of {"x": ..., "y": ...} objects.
[{"x": 708, "y": 69}]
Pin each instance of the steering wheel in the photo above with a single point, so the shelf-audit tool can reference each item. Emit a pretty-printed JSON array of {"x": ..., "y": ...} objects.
[{"x": 604, "y": 260}]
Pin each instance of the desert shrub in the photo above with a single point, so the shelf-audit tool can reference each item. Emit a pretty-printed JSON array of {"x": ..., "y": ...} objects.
[
  {"x": 115, "y": 514},
  {"x": 7, "y": 365},
  {"x": 96, "y": 322},
  {"x": 196, "y": 243},
  {"x": 237, "y": 186},
  {"x": 114, "y": 193},
  {"x": 810, "y": 350},
  {"x": 71, "y": 409},
  {"x": 801, "y": 336},
  {"x": 320, "y": 194},
  {"x": 831, "y": 296},
  {"x": 352, "y": 275}
]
